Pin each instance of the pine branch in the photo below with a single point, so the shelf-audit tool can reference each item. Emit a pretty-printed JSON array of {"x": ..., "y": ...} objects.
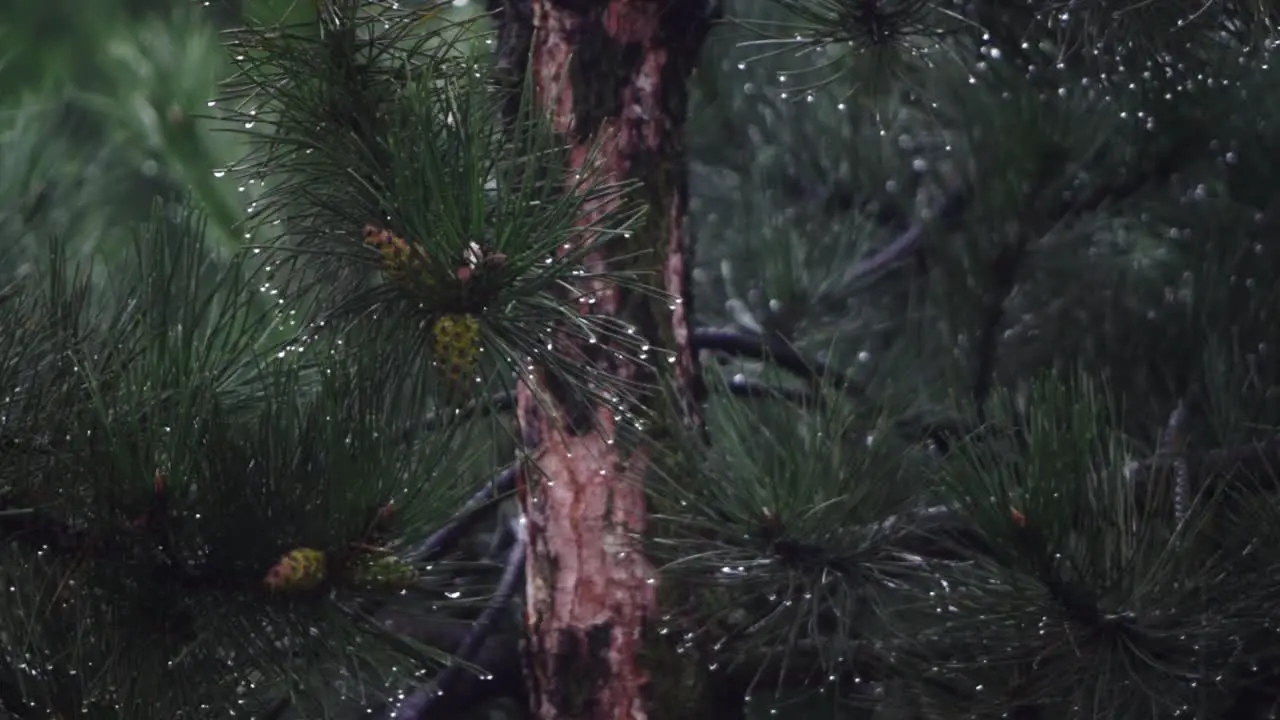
[
  {"x": 498, "y": 655},
  {"x": 1008, "y": 262},
  {"x": 937, "y": 531},
  {"x": 1004, "y": 276},
  {"x": 780, "y": 353},
  {"x": 427, "y": 703},
  {"x": 444, "y": 539},
  {"x": 906, "y": 245},
  {"x": 910, "y": 242}
]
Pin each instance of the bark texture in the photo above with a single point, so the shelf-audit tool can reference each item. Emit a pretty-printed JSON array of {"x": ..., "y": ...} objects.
[{"x": 613, "y": 76}]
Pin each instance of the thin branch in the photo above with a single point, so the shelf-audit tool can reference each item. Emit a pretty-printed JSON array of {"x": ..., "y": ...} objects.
[
  {"x": 1004, "y": 276},
  {"x": 780, "y": 353},
  {"x": 444, "y": 539},
  {"x": 424, "y": 701},
  {"x": 909, "y": 242},
  {"x": 1009, "y": 260}
]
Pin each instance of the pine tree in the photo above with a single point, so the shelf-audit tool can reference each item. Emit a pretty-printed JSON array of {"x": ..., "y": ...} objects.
[{"x": 352, "y": 364}]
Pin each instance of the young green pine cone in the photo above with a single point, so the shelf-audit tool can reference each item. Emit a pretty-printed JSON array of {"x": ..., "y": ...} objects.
[
  {"x": 384, "y": 573},
  {"x": 456, "y": 344},
  {"x": 299, "y": 569}
]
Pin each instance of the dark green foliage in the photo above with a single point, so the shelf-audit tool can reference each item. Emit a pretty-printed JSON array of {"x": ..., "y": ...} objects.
[
  {"x": 365, "y": 118},
  {"x": 1096, "y": 303},
  {"x": 167, "y": 432},
  {"x": 257, "y": 451}
]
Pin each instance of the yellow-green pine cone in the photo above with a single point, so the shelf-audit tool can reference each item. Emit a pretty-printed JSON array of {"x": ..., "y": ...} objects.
[
  {"x": 401, "y": 261},
  {"x": 456, "y": 345},
  {"x": 299, "y": 569}
]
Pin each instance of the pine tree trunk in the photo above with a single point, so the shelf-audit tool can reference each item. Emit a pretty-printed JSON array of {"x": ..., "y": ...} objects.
[{"x": 613, "y": 76}]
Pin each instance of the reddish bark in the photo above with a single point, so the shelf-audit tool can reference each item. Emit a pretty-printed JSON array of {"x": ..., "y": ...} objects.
[{"x": 612, "y": 74}]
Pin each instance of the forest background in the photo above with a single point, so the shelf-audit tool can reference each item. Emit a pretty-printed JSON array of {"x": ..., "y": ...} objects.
[{"x": 985, "y": 299}]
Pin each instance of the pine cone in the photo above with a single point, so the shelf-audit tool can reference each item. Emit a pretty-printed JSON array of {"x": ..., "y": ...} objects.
[
  {"x": 401, "y": 261},
  {"x": 299, "y": 569},
  {"x": 456, "y": 344}
]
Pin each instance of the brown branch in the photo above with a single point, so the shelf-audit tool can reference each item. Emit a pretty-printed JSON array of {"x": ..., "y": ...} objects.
[
  {"x": 453, "y": 692},
  {"x": 909, "y": 242},
  {"x": 444, "y": 539},
  {"x": 780, "y": 353},
  {"x": 1004, "y": 276},
  {"x": 497, "y": 654}
]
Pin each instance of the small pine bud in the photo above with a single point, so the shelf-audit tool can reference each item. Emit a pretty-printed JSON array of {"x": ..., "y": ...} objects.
[
  {"x": 1018, "y": 518},
  {"x": 299, "y": 569},
  {"x": 384, "y": 573},
  {"x": 476, "y": 260}
]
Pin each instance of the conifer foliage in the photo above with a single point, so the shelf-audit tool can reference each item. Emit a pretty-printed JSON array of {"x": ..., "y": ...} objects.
[{"x": 350, "y": 363}]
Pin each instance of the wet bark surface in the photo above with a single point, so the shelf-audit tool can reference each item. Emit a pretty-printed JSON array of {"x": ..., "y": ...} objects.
[{"x": 612, "y": 75}]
